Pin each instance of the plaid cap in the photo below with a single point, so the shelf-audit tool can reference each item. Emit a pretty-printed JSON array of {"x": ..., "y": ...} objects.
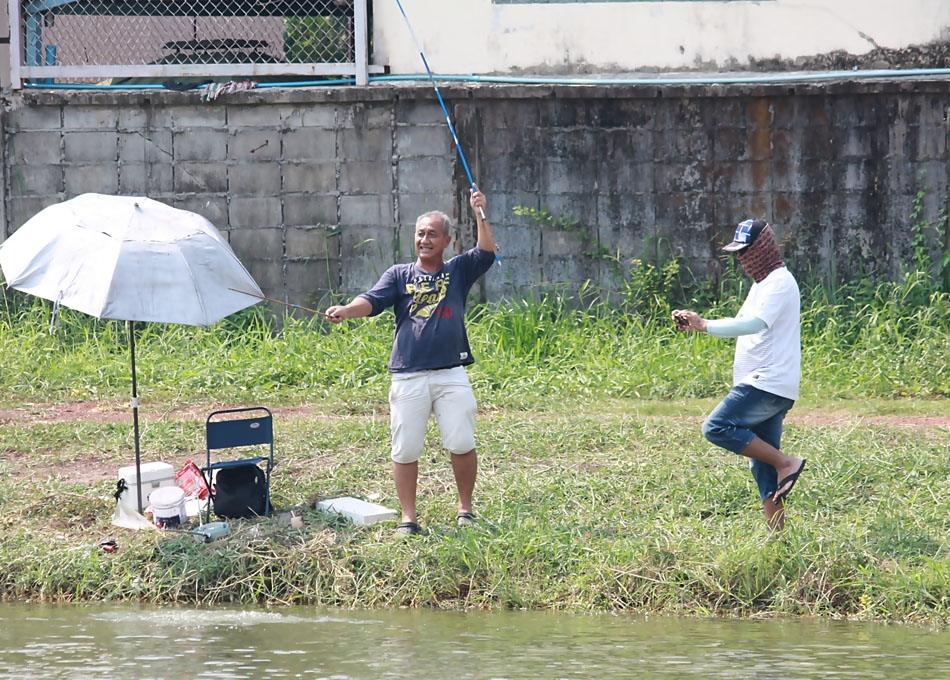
[{"x": 746, "y": 233}]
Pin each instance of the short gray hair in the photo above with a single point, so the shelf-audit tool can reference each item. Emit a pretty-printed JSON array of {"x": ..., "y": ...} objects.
[{"x": 446, "y": 220}]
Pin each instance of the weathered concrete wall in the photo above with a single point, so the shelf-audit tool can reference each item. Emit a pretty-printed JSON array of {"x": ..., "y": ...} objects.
[
  {"x": 598, "y": 36},
  {"x": 318, "y": 190}
]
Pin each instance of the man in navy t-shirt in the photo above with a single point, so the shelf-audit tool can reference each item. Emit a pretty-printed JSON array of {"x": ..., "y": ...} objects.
[{"x": 430, "y": 351}]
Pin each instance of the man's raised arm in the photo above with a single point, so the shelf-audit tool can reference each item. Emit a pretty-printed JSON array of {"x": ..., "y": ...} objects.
[{"x": 479, "y": 205}]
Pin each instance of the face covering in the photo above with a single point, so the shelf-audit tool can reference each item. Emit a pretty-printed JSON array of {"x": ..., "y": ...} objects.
[{"x": 762, "y": 257}]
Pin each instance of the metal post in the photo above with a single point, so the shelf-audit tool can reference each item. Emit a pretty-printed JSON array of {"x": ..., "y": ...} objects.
[
  {"x": 33, "y": 35},
  {"x": 50, "y": 60},
  {"x": 13, "y": 9},
  {"x": 361, "y": 38},
  {"x": 135, "y": 417}
]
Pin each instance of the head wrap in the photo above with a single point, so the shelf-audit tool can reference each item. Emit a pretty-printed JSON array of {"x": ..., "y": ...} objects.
[{"x": 762, "y": 257}]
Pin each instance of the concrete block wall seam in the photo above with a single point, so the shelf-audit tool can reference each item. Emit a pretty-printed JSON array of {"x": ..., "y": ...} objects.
[
  {"x": 337, "y": 173},
  {"x": 394, "y": 180},
  {"x": 147, "y": 179},
  {"x": 152, "y": 146}
]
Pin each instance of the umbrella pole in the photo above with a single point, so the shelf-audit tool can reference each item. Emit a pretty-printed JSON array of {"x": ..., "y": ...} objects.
[{"x": 135, "y": 417}]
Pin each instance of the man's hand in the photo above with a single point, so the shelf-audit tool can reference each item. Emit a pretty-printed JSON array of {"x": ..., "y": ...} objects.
[
  {"x": 336, "y": 313},
  {"x": 356, "y": 309},
  {"x": 479, "y": 203},
  {"x": 688, "y": 321}
]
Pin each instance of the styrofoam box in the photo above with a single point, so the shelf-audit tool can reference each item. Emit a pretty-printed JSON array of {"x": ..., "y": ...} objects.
[
  {"x": 154, "y": 475},
  {"x": 356, "y": 510}
]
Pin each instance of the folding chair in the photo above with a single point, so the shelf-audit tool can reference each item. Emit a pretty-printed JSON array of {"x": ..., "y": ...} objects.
[{"x": 239, "y": 488}]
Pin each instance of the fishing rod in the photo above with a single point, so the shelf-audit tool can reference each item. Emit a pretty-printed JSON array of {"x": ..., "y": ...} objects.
[
  {"x": 438, "y": 94},
  {"x": 281, "y": 302}
]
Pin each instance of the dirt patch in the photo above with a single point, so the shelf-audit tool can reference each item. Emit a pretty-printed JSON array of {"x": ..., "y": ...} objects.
[
  {"x": 94, "y": 412},
  {"x": 82, "y": 411},
  {"x": 850, "y": 420},
  {"x": 87, "y": 471},
  {"x": 80, "y": 471}
]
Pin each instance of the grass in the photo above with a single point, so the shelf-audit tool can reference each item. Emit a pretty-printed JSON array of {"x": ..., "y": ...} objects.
[
  {"x": 602, "y": 510},
  {"x": 597, "y": 491},
  {"x": 886, "y": 342}
]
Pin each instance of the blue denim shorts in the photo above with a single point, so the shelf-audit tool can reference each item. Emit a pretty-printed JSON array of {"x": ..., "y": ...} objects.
[{"x": 745, "y": 413}]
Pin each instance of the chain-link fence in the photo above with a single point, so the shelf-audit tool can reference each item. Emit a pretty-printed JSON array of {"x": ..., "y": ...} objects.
[{"x": 70, "y": 40}]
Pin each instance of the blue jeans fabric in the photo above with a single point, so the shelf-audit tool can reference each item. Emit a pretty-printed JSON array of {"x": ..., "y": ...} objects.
[{"x": 744, "y": 414}]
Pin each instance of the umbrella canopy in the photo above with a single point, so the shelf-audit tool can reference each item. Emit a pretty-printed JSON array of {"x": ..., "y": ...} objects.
[
  {"x": 132, "y": 259},
  {"x": 128, "y": 258}
]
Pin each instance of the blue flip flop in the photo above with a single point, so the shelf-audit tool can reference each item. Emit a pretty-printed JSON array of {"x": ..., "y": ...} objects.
[{"x": 790, "y": 480}]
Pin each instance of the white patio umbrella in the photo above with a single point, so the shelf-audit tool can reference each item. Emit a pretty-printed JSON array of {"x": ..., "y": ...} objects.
[{"x": 131, "y": 259}]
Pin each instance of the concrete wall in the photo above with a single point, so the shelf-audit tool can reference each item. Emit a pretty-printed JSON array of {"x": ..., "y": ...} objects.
[
  {"x": 318, "y": 190},
  {"x": 549, "y": 36}
]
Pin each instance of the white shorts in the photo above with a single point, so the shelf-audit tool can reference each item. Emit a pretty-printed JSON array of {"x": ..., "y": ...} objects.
[{"x": 414, "y": 396}]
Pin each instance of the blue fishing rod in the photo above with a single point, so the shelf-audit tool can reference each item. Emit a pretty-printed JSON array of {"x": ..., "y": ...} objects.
[{"x": 445, "y": 110}]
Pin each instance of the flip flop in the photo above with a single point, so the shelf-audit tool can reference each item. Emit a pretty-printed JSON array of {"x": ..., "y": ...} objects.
[
  {"x": 790, "y": 480},
  {"x": 409, "y": 529},
  {"x": 465, "y": 519}
]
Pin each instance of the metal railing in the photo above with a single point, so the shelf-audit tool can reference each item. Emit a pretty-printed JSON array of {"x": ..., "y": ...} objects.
[{"x": 126, "y": 41}]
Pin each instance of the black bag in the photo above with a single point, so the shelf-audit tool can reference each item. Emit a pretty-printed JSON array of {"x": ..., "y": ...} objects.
[{"x": 240, "y": 491}]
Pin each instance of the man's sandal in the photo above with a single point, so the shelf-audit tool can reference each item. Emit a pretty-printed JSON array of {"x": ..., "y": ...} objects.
[
  {"x": 465, "y": 519},
  {"x": 786, "y": 485},
  {"x": 409, "y": 529}
]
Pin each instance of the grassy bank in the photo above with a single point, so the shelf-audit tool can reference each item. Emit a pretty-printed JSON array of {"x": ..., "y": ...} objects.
[
  {"x": 596, "y": 491},
  {"x": 599, "y": 508}
]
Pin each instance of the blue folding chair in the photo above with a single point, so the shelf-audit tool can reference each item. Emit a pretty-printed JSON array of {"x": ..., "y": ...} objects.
[{"x": 239, "y": 488}]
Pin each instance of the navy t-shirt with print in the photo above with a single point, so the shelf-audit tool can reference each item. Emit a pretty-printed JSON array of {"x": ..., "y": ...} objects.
[{"x": 430, "y": 311}]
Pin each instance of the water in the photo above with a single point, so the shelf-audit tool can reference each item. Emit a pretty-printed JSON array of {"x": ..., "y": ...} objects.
[{"x": 128, "y": 642}]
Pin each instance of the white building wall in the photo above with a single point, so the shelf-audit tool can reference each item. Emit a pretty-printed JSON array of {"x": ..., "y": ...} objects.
[{"x": 480, "y": 36}]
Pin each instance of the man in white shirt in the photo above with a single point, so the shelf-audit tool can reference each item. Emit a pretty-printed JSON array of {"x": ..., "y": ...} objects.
[{"x": 766, "y": 370}]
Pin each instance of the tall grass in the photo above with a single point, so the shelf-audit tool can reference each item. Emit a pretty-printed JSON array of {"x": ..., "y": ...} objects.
[{"x": 860, "y": 340}]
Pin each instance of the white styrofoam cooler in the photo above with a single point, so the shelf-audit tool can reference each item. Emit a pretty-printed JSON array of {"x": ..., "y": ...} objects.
[
  {"x": 154, "y": 475},
  {"x": 357, "y": 511}
]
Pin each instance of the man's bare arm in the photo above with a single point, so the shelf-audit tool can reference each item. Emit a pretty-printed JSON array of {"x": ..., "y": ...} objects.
[
  {"x": 479, "y": 205},
  {"x": 358, "y": 307}
]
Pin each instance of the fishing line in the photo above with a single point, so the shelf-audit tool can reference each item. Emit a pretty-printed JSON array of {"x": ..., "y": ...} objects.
[
  {"x": 281, "y": 302},
  {"x": 438, "y": 94}
]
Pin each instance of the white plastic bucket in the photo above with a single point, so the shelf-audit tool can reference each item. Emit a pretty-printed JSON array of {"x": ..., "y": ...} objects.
[{"x": 168, "y": 506}]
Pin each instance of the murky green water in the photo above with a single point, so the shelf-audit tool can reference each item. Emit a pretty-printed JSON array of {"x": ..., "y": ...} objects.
[{"x": 126, "y": 642}]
